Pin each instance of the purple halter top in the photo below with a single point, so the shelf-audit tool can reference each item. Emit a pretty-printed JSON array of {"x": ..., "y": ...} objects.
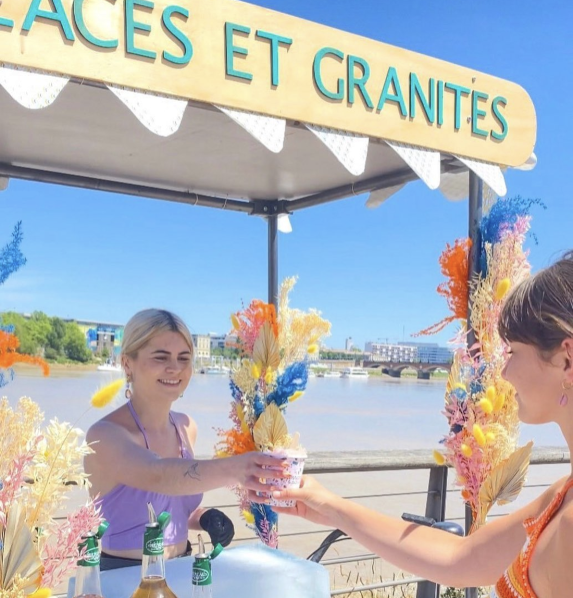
[{"x": 125, "y": 508}]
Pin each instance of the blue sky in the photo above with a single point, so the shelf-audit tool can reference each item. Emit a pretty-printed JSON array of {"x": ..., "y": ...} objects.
[{"x": 373, "y": 274}]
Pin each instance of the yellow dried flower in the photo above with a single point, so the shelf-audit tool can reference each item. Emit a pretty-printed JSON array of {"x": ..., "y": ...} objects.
[
  {"x": 439, "y": 458},
  {"x": 105, "y": 395},
  {"x": 235, "y": 322},
  {"x": 485, "y": 406},
  {"x": 460, "y": 385},
  {"x": 490, "y": 394},
  {"x": 41, "y": 593},
  {"x": 490, "y": 437},
  {"x": 479, "y": 435},
  {"x": 256, "y": 371},
  {"x": 502, "y": 288},
  {"x": 466, "y": 450},
  {"x": 499, "y": 402},
  {"x": 312, "y": 349},
  {"x": 269, "y": 375},
  {"x": 248, "y": 517},
  {"x": 296, "y": 395}
]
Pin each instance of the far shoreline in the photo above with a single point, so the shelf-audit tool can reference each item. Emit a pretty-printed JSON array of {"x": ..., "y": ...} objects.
[{"x": 79, "y": 368}]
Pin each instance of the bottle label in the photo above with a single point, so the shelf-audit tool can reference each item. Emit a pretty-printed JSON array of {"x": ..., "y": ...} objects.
[
  {"x": 153, "y": 542},
  {"x": 202, "y": 573},
  {"x": 90, "y": 557}
]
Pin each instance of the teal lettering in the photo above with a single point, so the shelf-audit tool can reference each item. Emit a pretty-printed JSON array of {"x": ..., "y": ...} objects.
[
  {"x": 275, "y": 41},
  {"x": 477, "y": 113},
  {"x": 440, "y": 120},
  {"x": 317, "y": 75},
  {"x": 416, "y": 91},
  {"x": 497, "y": 101},
  {"x": 386, "y": 96},
  {"x": 231, "y": 50},
  {"x": 178, "y": 35},
  {"x": 458, "y": 90},
  {"x": 131, "y": 26},
  {"x": 78, "y": 11},
  {"x": 6, "y": 23},
  {"x": 360, "y": 83},
  {"x": 58, "y": 15}
]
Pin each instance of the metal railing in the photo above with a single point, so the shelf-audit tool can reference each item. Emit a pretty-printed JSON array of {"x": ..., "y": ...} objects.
[{"x": 436, "y": 498}]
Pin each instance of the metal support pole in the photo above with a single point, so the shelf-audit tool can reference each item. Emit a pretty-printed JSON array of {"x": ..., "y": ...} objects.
[
  {"x": 435, "y": 509},
  {"x": 474, "y": 233},
  {"x": 273, "y": 260}
]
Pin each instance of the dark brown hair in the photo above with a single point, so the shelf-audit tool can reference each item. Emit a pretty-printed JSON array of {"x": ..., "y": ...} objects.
[{"x": 539, "y": 311}]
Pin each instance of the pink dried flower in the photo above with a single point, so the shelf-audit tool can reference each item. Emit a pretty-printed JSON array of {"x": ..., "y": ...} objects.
[{"x": 60, "y": 555}]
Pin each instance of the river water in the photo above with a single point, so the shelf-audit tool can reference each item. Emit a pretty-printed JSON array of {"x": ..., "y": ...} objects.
[{"x": 334, "y": 413}]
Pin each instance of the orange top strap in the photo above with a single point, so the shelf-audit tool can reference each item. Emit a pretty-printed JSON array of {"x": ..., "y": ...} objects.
[{"x": 515, "y": 581}]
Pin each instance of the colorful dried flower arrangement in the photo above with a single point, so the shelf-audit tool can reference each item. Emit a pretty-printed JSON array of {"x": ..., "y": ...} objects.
[
  {"x": 273, "y": 373},
  {"x": 480, "y": 405}
]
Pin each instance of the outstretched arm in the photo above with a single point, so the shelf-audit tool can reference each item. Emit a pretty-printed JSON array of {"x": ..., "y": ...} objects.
[
  {"x": 119, "y": 460},
  {"x": 477, "y": 560}
]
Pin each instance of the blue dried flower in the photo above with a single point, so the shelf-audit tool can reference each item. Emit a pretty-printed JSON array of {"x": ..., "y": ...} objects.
[
  {"x": 11, "y": 258},
  {"x": 503, "y": 215},
  {"x": 293, "y": 379},
  {"x": 258, "y": 405}
]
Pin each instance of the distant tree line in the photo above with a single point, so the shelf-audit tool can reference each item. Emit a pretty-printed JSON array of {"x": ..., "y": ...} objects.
[
  {"x": 227, "y": 352},
  {"x": 341, "y": 355},
  {"x": 51, "y": 338}
]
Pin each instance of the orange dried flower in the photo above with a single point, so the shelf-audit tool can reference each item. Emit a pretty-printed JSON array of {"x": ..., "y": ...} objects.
[
  {"x": 9, "y": 343},
  {"x": 235, "y": 442},
  {"x": 454, "y": 263}
]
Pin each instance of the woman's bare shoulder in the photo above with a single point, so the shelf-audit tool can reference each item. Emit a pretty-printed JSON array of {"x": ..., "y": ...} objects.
[
  {"x": 113, "y": 424},
  {"x": 186, "y": 424}
]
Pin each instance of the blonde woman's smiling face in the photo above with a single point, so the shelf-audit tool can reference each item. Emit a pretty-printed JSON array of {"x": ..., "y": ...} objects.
[{"x": 162, "y": 367}]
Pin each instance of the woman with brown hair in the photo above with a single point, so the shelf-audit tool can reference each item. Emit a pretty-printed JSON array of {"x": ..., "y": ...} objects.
[{"x": 527, "y": 553}]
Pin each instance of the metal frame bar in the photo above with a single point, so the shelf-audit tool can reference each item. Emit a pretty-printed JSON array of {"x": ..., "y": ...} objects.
[
  {"x": 273, "y": 260},
  {"x": 474, "y": 263},
  {"x": 435, "y": 509}
]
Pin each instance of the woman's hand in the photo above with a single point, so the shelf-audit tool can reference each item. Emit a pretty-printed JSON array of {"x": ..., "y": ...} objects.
[
  {"x": 313, "y": 501},
  {"x": 250, "y": 469}
]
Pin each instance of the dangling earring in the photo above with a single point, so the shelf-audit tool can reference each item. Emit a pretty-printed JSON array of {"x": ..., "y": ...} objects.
[
  {"x": 564, "y": 398},
  {"x": 128, "y": 388}
]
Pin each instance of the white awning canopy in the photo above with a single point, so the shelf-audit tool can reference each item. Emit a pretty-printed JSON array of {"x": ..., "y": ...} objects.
[{"x": 193, "y": 113}]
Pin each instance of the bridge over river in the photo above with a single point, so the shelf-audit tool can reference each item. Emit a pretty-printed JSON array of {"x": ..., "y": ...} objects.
[{"x": 395, "y": 369}]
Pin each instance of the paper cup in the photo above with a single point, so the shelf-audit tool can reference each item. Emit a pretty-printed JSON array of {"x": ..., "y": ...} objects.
[{"x": 295, "y": 467}]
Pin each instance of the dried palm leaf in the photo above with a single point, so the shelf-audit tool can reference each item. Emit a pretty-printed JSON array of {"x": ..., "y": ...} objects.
[
  {"x": 19, "y": 557},
  {"x": 266, "y": 349},
  {"x": 505, "y": 481},
  {"x": 270, "y": 429}
]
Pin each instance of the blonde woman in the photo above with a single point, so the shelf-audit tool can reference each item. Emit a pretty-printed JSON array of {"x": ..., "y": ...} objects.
[
  {"x": 143, "y": 451},
  {"x": 526, "y": 554}
]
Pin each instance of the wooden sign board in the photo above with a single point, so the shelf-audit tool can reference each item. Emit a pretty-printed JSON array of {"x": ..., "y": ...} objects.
[{"x": 233, "y": 54}]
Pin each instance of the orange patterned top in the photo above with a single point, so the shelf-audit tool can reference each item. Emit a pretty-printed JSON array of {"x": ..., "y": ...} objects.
[{"x": 515, "y": 581}]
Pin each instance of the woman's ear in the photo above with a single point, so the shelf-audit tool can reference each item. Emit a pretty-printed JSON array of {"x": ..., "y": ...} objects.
[
  {"x": 567, "y": 346},
  {"x": 126, "y": 365}
]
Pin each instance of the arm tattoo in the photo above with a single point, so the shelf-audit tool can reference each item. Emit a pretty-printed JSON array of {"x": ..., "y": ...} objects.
[{"x": 192, "y": 471}]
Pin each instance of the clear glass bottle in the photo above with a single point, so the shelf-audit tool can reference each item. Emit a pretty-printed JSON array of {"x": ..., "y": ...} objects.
[
  {"x": 153, "y": 583},
  {"x": 87, "y": 574},
  {"x": 202, "y": 580}
]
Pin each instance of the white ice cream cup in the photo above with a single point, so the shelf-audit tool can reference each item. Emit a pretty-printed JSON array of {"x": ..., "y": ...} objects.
[{"x": 295, "y": 466}]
